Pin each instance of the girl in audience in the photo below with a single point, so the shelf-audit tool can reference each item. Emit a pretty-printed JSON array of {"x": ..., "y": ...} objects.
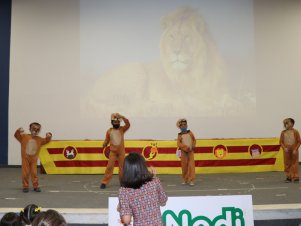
[
  {"x": 141, "y": 193},
  {"x": 11, "y": 219},
  {"x": 29, "y": 213},
  {"x": 49, "y": 218}
]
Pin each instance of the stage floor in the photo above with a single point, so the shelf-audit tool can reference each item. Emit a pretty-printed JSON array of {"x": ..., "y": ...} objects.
[{"x": 82, "y": 191}]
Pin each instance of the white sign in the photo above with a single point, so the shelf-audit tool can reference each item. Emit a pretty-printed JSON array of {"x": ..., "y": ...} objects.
[{"x": 234, "y": 210}]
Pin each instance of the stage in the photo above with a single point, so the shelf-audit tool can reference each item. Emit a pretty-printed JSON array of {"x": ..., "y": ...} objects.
[{"x": 79, "y": 198}]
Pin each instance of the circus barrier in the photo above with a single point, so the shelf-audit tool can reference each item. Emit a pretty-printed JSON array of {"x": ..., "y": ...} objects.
[{"x": 211, "y": 156}]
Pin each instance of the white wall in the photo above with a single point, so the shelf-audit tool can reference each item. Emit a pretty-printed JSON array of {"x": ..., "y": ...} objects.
[
  {"x": 45, "y": 78},
  {"x": 44, "y": 72}
]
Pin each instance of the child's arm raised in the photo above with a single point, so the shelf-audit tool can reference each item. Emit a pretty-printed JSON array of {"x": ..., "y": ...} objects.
[
  {"x": 126, "y": 122},
  {"x": 18, "y": 134},
  {"x": 47, "y": 139}
]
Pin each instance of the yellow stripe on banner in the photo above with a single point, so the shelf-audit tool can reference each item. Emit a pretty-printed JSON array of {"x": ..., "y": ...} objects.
[
  {"x": 161, "y": 153},
  {"x": 238, "y": 142},
  {"x": 167, "y": 143},
  {"x": 80, "y": 157},
  {"x": 198, "y": 156}
]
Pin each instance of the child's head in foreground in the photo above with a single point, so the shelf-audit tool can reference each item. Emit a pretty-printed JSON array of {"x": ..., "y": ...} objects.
[
  {"x": 135, "y": 172},
  {"x": 49, "y": 218}
]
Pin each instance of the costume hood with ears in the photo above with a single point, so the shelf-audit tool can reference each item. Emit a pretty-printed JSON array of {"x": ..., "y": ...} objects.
[
  {"x": 115, "y": 117},
  {"x": 285, "y": 121},
  {"x": 180, "y": 121}
]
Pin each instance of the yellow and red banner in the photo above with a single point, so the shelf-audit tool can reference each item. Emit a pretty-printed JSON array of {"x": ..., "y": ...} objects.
[{"x": 211, "y": 156}]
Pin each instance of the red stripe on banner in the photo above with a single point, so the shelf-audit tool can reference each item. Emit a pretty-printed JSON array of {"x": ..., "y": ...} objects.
[
  {"x": 270, "y": 148},
  {"x": 81, "y": 163},
  {"x": 216, "y": 163},
  {"x": 89, "y": 150},
  {"x": 235, "y": 162},
  {"x": 237, "y": 149},
  {"x": 203, "y": 150},
  {"x": 171, "y": 150},
  {"x": 96, "y": 150},
  {"x": 231, "y": 149},
  {"x": 164, "y": 163},
  {"x": 102, "y": 163},
  {"x": 167, "y": 150},
  {"x": 55, "y": 151},
  {"x": 198, "y": 163}
]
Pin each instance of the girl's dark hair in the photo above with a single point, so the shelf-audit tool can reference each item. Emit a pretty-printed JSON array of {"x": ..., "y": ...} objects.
[
  {"x": 10, "y": 219},
  {"x": 49, "y": 218},
  {"x": 29, "y": 213},
  {"x": 135, "y": 172}
]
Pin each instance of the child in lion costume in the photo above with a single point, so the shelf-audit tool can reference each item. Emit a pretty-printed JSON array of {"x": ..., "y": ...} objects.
[
  {"x": 290, "y": 142},
  {"x": 30, "y": 149},
  {"x": 115, "y": 138},
  {"x": 186, "y": 143}
]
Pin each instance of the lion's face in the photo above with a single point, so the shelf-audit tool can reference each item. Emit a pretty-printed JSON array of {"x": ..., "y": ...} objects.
[
  {"x": 183, "y": 48},
  {"x": 180, "y": 45}
]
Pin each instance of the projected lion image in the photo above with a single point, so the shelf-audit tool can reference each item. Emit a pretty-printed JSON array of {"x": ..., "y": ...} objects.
[{"x": 189, "y": 78}]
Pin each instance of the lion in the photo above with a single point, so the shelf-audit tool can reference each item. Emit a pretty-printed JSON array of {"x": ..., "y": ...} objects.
[
  {"x": 187, "y": 50},
  {"x": 188, "y": 79}
]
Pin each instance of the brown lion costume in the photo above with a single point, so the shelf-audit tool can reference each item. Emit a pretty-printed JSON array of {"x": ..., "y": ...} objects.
[
  {"x": 115, "y": 138},
  {"x": 186, "y": 143},
  {"x": 30, "y": 149}
]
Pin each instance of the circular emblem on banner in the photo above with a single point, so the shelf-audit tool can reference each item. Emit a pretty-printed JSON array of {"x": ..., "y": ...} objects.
[
  {"x": 255, "y": 150},
  {"x": 220, "y": 151},
  {"x": 106, "y": 152},
  {"x": 150, "y": 152},
  {"x": 70, "y": 152}
]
